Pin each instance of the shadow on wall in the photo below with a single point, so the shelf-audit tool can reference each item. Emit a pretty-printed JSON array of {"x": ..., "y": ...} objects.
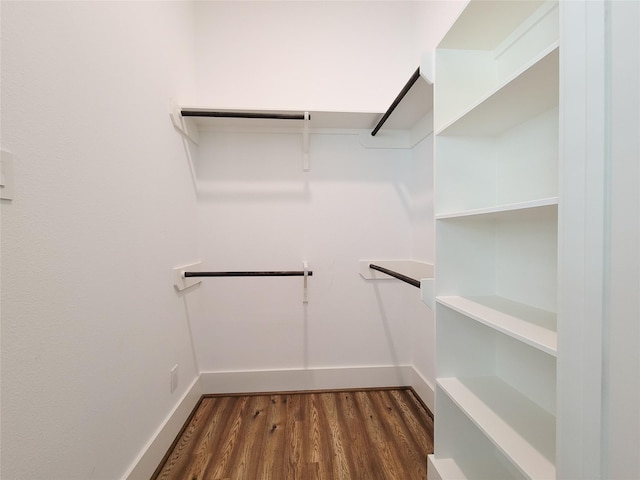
[{"x": 393, "y": 351}]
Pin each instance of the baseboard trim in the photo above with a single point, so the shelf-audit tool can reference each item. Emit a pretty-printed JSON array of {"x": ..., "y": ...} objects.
[
  {"x": 155, "y": 450},
  {"x": 307, "y": 379},
  {"x": 424, "y": 390},
  {"x": 271, "y": 381}
]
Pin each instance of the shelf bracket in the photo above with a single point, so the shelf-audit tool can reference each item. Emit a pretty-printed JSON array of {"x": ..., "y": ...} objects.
[
  {"x": 427, "y": 292},
  {"x": 184, "y": 125},
  {"x": 305, "y": 143}
]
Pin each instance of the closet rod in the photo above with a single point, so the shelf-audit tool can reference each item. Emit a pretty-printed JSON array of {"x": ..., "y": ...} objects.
[
  {"x": 399, "y": 276},
  {"x": 214, "y": 113},
  {"x": 398, "y": 99},
  {"x": 286, "y": 273}
]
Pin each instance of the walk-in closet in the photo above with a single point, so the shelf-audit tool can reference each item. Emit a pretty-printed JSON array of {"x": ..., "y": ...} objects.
[{"x": 320, "y": 239}]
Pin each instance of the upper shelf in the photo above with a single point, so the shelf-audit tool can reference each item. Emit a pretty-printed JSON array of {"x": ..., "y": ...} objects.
[
  {"x": 412, "y": 103},
  {"x": 212, "y": 119},
  {"x": 506, "y": 106},
  {"x": 405, "y": 123},
  {"x": 484, "y": 25}
]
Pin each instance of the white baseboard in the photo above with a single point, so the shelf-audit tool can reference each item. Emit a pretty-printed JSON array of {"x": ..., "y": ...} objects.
[
  {"x": 319, "y": 379},
  {"x": 308, "y": 379},
  {"x": 424, "y": 389},
  {"x": 271, "y": 381},
  {"x": 157, "y": 447}
]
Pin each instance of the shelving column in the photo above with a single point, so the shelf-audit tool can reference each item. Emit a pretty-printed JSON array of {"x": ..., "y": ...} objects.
[{"x": 496, "y": 194}]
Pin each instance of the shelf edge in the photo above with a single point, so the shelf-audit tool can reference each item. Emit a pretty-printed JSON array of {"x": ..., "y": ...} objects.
[{"x": 510, "y": 207}]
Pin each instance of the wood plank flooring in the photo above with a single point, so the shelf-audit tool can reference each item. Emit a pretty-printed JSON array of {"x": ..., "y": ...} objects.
[{"x": 363, "y": 434}]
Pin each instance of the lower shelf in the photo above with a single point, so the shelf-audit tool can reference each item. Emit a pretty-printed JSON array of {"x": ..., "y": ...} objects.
[
  {"x": 520, "y": 429},
  {"x": 479, "y": 468}
]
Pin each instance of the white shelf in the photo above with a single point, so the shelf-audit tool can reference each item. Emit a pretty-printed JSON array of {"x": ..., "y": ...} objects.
[
  {"x": 520, "y": 429},
  {"x": 478, "y": 468},
  {"x": 543, "y": 202},
  {"x": 484, "y": 25},
  {"x": 530, "y": 325},
  {"x": 417, "y": 103},
  {"x": 507, "y": 106},
  {"x": 410, "y": 268},
  {"x": 318, "y": 120}
]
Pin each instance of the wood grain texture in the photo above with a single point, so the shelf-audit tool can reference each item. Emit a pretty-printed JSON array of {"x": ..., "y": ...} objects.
[{"x": 337, "y": 435}]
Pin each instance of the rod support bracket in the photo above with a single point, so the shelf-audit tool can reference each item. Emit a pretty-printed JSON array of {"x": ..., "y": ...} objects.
[
  {"x": 305, "y": 143},
  {"x": 305, "y": 296},
  {"x": 180, "y": 282}
]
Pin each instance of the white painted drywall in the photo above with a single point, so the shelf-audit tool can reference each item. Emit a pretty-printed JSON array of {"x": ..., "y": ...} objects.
[
  {"x": 104, "y": 207},
  {"x": 259, "y": 211},
  {"x": 313, "y": 55}
]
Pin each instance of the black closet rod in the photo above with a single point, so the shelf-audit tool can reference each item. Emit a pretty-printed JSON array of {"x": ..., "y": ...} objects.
[
  {"x": 219, "y": 114},
  {"x": 398, "y": 99},
  {"x": 399, "y": 276},
  {"x": 286, "y": 273}
]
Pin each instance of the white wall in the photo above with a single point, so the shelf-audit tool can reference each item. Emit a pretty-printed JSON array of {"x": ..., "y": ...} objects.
[
  {"x": 259, "y": 211},
  {"x": 104, "y": 207},
  {"x": 314, "y": 55}
]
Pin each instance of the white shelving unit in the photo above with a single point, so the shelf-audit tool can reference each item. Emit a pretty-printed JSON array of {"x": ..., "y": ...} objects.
[
  {"x": 496, "y": 202},
  {"x": 517, "y": 426}
]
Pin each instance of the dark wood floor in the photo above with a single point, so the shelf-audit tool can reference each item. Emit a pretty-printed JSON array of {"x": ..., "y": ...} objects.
[{"x": 368, "y": 434}]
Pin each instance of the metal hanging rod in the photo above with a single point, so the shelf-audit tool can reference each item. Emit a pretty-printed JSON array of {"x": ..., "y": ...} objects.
[
  {"x": 286, "y": 273},
  {"x": 398, "y": 99},
  {"x": 221, "y": 114},
  {"x": 399, "y": 276}
]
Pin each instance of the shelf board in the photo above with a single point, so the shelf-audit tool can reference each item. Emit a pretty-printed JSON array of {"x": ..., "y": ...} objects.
[
  {"x": 529, "y": 93},
  {"x": 410, "y": 268},
  {"x": 414, "y": 106},
  {"x": 318, "y": 120},
  {"x": 530, "y": 325},
  {"x": 478, "y": 468},
  {"x": 405, "y": 117},
  {"x": 511, "y": 207},
  {"x": 524, "y": 432},
  {"x": 484, "y": 25}
]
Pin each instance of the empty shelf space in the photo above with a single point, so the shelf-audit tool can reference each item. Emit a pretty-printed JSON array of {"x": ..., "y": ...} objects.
[
  {"x": 478, "y": 468},
  {"x": 532, "y": 326},
  {"x": 485, "y": 25},
  {"x": 520, "y": 429},
  {"x": 543, "y": 202},
  {"x": 506, "y": 106}
]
